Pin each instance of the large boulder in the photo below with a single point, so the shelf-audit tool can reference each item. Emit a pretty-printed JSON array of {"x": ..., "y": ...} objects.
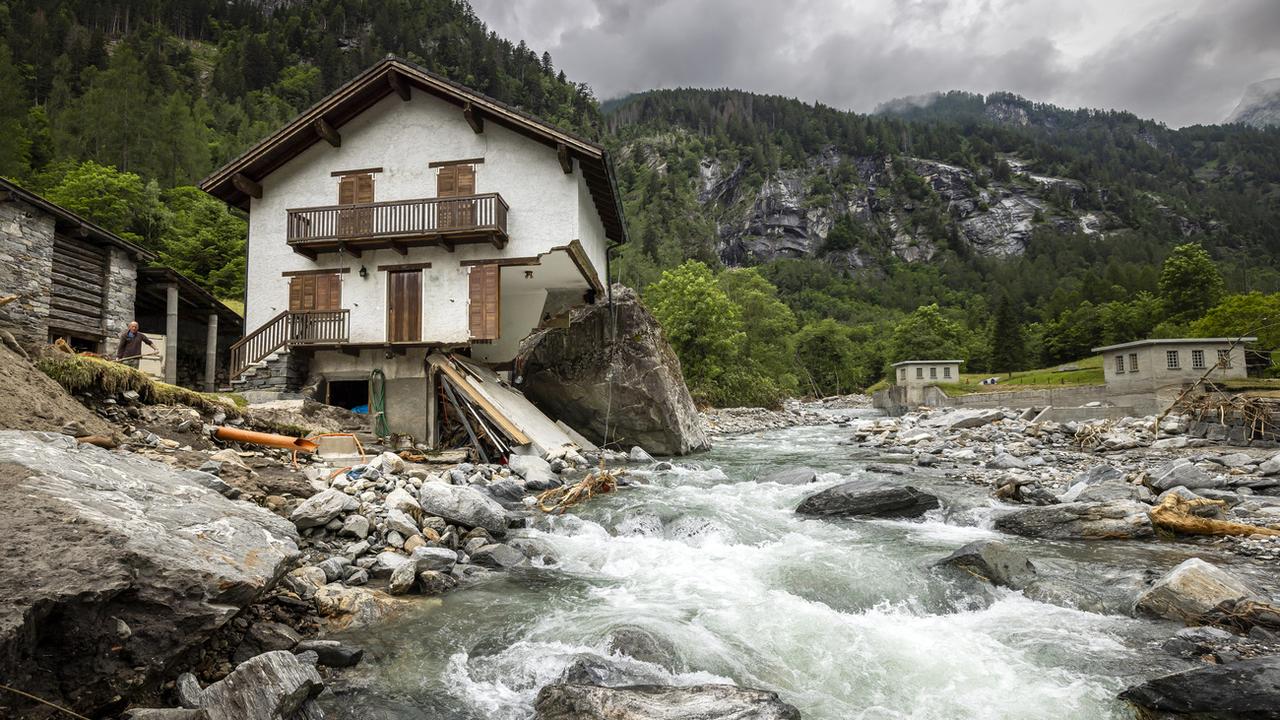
[
  {"x": 1243, "y": 690},
  {"x": 320, "y": 508},
  {"x": 1183, "y": 472},
  {"x": 1190, "y": 590},
  {"x": 573, "y": 373},
  {"x": 1115, "y": 520},
  {"x": 792, "y": 476},
  {"x": 114, "y": 567},
  {"x": 992, "y": 561},
  {"x": 867, "y": 499},
  {"x": 463, "y": 505},
  {"x": 660, "y": 702}
]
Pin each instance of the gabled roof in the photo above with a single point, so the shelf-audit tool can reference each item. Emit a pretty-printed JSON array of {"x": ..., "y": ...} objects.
[
  {"x": 1176, "y": 341},
  {"x": 67, "y": 221},
  {"x": 397, "y": 75}
]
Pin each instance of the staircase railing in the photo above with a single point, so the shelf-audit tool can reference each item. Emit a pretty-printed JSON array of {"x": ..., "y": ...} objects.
[{"x": 311, "y": 327}]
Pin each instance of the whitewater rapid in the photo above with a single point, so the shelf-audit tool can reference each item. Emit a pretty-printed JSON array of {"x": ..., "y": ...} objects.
[{"x": 844, "y": 619}]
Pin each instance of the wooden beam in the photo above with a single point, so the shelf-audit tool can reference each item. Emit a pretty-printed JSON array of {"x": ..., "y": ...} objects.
[
  {"x": 350, "y": 250},
  {"x": 446, "y": 163},
  {"x": 401, "y": 249},
  {"x": 361, "y": 171},
  {"x": 352, "y": 351},
  {"x": 473, "y": 117},
  {"x": 566, "y": 161},
  {"x": 7, "y": 196},
  {"x": 398, "y": 85},
  {"x": 298, "y": 273},
  {"x": 498, "y": 241},
  {"x": 447, "y": 244},
  {"x": 405, "y": 266},
  {"x": 247, "y": 185},
  {"x": 328, "y": 132}
]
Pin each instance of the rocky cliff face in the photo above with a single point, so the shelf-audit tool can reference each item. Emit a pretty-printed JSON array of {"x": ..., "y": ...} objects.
[
  {"x": 791, "y": 213},
  {"x": 1260, "y": 106}
]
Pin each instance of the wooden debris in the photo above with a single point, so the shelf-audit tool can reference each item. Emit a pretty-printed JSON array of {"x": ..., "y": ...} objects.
[
  {"x": 101, "y": 441},
  {"x": 1244, "y": 615},
  {"x": 1175, "y": 513},
  {"x": 599, "y": 482}
]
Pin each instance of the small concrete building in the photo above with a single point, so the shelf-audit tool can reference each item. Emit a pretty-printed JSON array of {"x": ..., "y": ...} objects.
[
  {"x": 916, "y": 375},
  {"x": 81, "y": 283},
  {"x": 1148, "y": 365}
]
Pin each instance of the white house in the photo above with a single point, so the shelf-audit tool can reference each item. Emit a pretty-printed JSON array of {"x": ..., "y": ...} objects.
[
  {"x": 915, "y": 375},
  {"x": 406, "y": 214},
  {"x": 1145, "y": 365}
]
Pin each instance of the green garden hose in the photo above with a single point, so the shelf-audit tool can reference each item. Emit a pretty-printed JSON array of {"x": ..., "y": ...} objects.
[{"x": 378, "y": 403}]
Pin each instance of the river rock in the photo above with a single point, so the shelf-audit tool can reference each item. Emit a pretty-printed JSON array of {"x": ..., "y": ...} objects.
[
  {"x": 498, "y": 556},
  {"x": 351, "y": 607},
  {"x": 994, "y": 562},
  {"x": 532, "y": 468},
  {"x": 400, "y": 522},
  {"x": 615, "y": 364},
  {"x": 1005, "y": 461},
  {"x": 271, "y": 685},
  {"x": 319, "y": 509},
  {"x": 638, "y": 643},
  {"x": 1115, "y": 520},
  {"x": 1243, "y": 690},
  {"x": 1092, "y": 478},
  {"x": 463, "y": 505},
  {"x": 92, "y": 541},
  {"x": 658, "y": 702},
  {"x": 860, "y": 498},
  {"x": 792, "y": 476},
  {"x": 433, "y": 558},
  {"x": 165, "y": 714},
  {"x": 1190, "y": 590},
  {"x": 356, "y": 526},
  {"x": 1182, "y": 472},
  {"x": 402, "y": 579},
  {"x": 1270, "y": 466},
  {"x": 400, "y": 499},
  {"x": 507, "y": 491},
  {"x": 331, "y": 653},
  {"x": 431, "y": 582}
]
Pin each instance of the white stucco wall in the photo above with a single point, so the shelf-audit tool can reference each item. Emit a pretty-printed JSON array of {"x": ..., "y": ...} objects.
[
  {"x": 1153, "y": 369},
  {"x": 546, "y": 210}
]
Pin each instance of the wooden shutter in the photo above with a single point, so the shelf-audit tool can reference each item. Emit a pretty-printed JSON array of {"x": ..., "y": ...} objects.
[
  {"x": 465, "y": 182},
  {"x": 404, "y": 306},
  {"x": 364, "y": 188},
  {"x": 347, "y": 190},
  {"x": 447, "y": 181},
  {"x": 320, "y": 291},
  {"x": 485, "y": 302}
]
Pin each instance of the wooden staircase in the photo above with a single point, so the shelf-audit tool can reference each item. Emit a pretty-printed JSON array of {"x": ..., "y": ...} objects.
[{"x": 289, "y": 329}]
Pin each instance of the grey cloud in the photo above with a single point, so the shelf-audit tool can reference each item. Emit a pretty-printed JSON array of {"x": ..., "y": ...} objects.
[{"x": 1181, "y": 64}]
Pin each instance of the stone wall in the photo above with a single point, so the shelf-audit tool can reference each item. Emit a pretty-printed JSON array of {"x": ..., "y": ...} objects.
[
  {"x": 282, "y": 372},
  {"x": 26, "y": 260},
  {"x": 121, "y": 294}
]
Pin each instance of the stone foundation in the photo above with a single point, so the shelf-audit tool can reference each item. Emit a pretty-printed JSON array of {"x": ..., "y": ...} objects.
[{"x": 26, "y": 260}]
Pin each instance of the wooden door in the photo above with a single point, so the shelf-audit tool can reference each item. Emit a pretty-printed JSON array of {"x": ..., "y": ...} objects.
[
  {"x": 355, "y": 190},
  {"x": 456, "y": 181},
  {"x": 404, "y": 305},
  {"x": 485, "y": 302}
]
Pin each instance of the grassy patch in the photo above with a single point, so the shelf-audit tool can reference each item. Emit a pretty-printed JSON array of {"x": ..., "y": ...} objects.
[
  {"x": 104, "y": 378},
  {"x": 1089, "y": 373},
  {"x": 236, "y": 306}
]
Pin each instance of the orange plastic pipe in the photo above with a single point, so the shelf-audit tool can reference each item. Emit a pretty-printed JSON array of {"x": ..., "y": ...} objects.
[{"x": 223, "y": 432}]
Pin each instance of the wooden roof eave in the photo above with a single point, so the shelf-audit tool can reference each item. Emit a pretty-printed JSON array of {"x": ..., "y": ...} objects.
[{"x": 371, "y": 86}]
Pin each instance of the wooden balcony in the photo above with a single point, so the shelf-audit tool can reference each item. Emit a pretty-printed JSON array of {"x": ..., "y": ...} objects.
[{"x": 399, "y": 224}]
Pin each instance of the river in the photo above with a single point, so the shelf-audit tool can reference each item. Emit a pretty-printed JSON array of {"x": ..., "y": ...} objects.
[{"x": 844, "y": 619}]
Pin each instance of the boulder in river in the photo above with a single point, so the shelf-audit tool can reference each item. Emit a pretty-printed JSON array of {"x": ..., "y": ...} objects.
[
  {"x": 1115, "y": 520},
  {"x": 660, "y": 702},
  {"x": 272, "y": 685},
  {"x": 1182, "y": 472},
  {"x": 113, "y": 567},
  {"x": 1243, "y": 690},
  {"x": 994, "y": 562},
  {"x": 574, "y": 373},
  {"x": 1190, "y": 590},
  {"x": 860, "y": 498},
  {"x": 463, "y": 505},
  {"x": 792, "y": 476}
]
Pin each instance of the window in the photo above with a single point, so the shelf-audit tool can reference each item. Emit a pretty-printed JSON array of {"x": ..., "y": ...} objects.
[
  {"x": 946, "y": 372},
  {"x": 902, "y": 373},
  {"x": 1171, "y": 357},
  {"x": 933, "y": 373},
  {"x": 1224, "y": 358},
  {"x": 919, "y": 373},
  {"x": 485, "y": 303},
  {"x": 355, "y": 189},
  {"x": 1133, "y": 362},
  {"x": 315, "y": 291},
  {"x": 1197, "y": 359},
  {"x": 1120, "y": 364}
]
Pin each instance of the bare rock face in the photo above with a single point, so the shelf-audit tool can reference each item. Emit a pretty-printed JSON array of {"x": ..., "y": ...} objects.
[
  {"x": 567, "y": 372},
  {"x": 1190, "y": 590},
  {"x": 659, "y": 702},
  {"x": 112, "y": 567},
  {"x": 1244, "y": 690}
]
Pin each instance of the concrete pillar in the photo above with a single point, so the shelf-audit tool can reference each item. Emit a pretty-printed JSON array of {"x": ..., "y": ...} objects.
[
  {"x": 211, "y": 354},
  {"x": 433, "y": 422},
  {"x": 171, "y": 335}
]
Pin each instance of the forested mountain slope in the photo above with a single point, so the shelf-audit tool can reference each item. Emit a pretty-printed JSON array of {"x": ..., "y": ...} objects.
[{"x": 157, "y": 93}]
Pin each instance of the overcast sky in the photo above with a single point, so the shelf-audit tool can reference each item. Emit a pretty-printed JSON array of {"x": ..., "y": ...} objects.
[{"x": 1179, "y": 61}]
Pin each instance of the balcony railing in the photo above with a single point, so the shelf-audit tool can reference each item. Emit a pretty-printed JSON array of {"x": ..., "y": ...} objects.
[
  {"x": 314, "y": 327},
  {"x": 399, "y": 223}
]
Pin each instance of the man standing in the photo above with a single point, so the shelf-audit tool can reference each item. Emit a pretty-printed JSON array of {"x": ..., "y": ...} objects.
[{"x": 131, "y": 345}]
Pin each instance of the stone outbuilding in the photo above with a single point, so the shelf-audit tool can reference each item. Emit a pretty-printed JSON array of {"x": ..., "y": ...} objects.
[
  {"x": 915, "y": 375},
  {"x": 1148, "y": 365},
  {"x": 77, "y": 281}
]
